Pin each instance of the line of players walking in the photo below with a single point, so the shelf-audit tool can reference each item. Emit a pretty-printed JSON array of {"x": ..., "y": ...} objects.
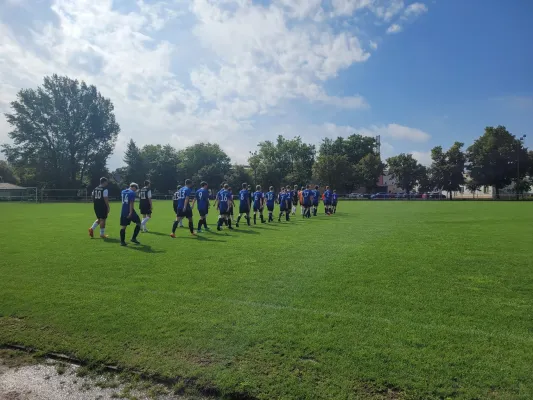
[{"x": 184, "y": 201}]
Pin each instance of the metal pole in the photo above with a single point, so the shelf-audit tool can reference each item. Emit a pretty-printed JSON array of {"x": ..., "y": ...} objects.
[{"x": 518, "y": 145}]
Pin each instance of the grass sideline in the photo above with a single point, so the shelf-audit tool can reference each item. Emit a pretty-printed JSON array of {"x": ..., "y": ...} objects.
[{"x": 383, "y": 300}]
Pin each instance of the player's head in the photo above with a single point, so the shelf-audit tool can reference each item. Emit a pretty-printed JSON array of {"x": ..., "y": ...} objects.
[
  {"x": 179, "y": 187},
  {"x": 188, "y": 183},
  {"x": 295, "y": 187},
  {"x": 316, "y": 187},
  {"x": 334, "y": 191},
  {"x": 307, "y": 186},
  {"x": 226, "y": 186},
  {"x": 327, "y": 187},
  {"x": 134, "y": 186},
  {"x": 103, "y": 181},
  {"x": 221, "y": 186},
  {"x": 288, "y": 187},
  {"x": 258, "y": 188},
  {"x": 244, "y": 186},
  {"x": 271, "y": 188},
  {"x": 147, "y": 183},
  {"x": 203, "y": 185}
]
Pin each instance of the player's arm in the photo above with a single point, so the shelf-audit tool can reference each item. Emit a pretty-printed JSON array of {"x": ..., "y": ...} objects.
[
  {"x": 185, "y": 203},
  {"x": 150, "y": 198},
  {"x": 194, "y": 200},
  {"x": 132, "y": 201},
  {"x": 106, "y": 200}
]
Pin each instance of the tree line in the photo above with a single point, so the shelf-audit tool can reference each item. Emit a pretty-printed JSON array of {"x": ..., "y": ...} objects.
[{"x": 64, "y": 131}]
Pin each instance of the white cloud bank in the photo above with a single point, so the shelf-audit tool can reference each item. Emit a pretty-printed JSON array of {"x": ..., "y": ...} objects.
[{"x": 183, "y": 71}]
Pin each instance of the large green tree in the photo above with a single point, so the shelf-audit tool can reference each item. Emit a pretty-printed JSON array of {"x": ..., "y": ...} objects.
[
  {"x": 161, "y": 163},
  {"x": 425, "y": 180},
  {"x": 405, "y": 170},
  {"x": 238, "y": 175},
  {"x": 7, "y": 173},
  {"x": 447, "y": 168},
  {"x": 368, "y": 171},
  {"x": 135, "y": 169},
  {"x": 334, "y": 170},
  {"x": 60, "y": 130},
  {"x": 204, "y": 162},
  {"x": 494, "y": 156}
]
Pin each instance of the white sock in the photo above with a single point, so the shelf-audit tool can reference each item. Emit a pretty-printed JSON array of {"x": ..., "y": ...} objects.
[
  {"x": 95, "y": 225},
  {"x": 144, "y": 221},
  {"x": 102, "y": 231}
]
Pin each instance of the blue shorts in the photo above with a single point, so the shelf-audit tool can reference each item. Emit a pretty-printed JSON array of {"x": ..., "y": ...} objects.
[
  {"x": 244, "y": 209},
  {"x": 327, "y": 202},
  {"x": 203, "y": 211},
  {"x": 223, "y": 210},
  {"x": 270, "y": 207}
]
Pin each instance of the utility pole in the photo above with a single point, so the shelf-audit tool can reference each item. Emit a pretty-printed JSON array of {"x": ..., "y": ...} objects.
[{"x": 518, "y": 148}]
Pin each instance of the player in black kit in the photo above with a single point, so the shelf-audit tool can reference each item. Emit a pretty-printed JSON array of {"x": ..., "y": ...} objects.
[
  {"x": 145, "y": 204},
  {"x": 100, "y": 197}
]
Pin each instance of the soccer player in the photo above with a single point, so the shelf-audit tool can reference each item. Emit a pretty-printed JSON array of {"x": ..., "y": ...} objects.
[
  {"x": 101, "y": 207},
  {"x": 316, "y": 200},
  {"x": 308, "y": 201},
  {"x": 270, "y": 200},
  {"x": 202, "y": 201},
  {"x": 295, "y": 198},
  {"x": 244, "y": 205},
  {"x": 301, "y": 200},
  {"x": 334, "y": 199},
  {"x": 128, "y": 214},
  {"x": 283, "y": 209},
  {"x": 259, "y": 203},
  {"x": 184, "y": 209},
  {"x": 231, "y": 205},
  {"x": 223, "y": 203},
  {"x": 288, "y": 199},
  {"x": 145, "y": 204},
  {"x": 327, "y": 201},
  {"x": 175, "y": 208}
]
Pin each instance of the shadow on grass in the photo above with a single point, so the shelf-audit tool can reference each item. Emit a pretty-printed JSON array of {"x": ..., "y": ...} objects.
[
  {"x": 206, "y": 239},
  {"x": 156, "y": 233},
  {"x": 138, "y": 247},
  {"x": 247, "y": 231}
]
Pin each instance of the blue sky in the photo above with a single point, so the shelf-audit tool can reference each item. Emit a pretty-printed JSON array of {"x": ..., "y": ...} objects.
[{"x": 418, "y": 73}]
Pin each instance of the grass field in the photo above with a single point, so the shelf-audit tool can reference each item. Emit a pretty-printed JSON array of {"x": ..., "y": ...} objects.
[{"x": 382, "y": 300}]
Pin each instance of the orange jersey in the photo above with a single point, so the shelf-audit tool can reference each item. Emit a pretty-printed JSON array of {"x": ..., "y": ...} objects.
[{"x": 301, "y": 196}]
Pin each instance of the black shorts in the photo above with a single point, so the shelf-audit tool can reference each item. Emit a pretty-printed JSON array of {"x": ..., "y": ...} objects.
[
  {"x": 185, "y": 214},
  {"x": 231, "y": 211},
  {"x": 125, "y": 221},
  {"x": 100, "y": 212},
  {"x": 256, "y": 209},
  {"x": 244, "y": 209},
  {"x": 334, "y": 204},
  {"x": 146, "y": 210},
  {"x": 203, "y": 212},
  {"x": 270, "y": 208}
]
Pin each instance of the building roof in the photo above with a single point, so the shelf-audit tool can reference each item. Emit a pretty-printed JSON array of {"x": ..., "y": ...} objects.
[{"x": 10, "y": 186}]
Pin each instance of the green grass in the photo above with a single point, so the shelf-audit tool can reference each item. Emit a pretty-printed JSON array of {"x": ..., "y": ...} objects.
[{"x": 382, "y": 300}]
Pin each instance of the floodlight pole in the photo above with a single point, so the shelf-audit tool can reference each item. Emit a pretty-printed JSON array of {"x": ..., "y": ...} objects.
[{"x": 518, "y": 145}]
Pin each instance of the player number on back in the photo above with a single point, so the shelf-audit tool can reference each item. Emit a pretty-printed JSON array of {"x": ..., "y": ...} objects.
[
  {"x": 143, "y": 195},
  {"x": 97, "y": 194},
  {"x": 125, "y": 199},
  {"x": 200, "y": 195}
]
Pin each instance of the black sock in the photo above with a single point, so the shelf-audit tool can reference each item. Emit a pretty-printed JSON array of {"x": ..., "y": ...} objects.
[
  {"x": 174, "y": 226},
  {"x": 262, "y": 218},
  {"x": 287, "y": 216},
  {"x": 200, "y": 223},
  {"x": 191, "y": 226},
  {"x": 238, "y": 219},
  {"x": 205, "y": 222},
  {"x": 136, "y": 232},
  {"x": 255, "y": 219},
  {"x": 219, "y": 224},
  {"x": 229, "y": 223},
  {"x": 123, "y": 235},
  {"x": 226, "y": 221}
]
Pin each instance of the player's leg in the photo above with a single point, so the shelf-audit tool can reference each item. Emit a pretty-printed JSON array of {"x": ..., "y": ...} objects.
[
  {"x": 175, "y": 226},
  {"x": 262, "y": 216},
  {"x": 137, "y": 221},
  {"x": 221, "y": 218},
  {"x": 95, "y": 223},
  {"x": 255, "y": 216},
  {"x": 102, "y": 228},
  {"x": 146, "y": 218},
  {"x": 191, "y": 224}
]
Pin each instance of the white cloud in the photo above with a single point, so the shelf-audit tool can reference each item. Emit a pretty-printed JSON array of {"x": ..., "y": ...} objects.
[
  {"x": 423, "y": 157},
  {"x": 397, "y": 132},
  {"x": 394, "y": 28},
  {"x": 183, "y": 71},
  {"x": 415, "y": 9}
]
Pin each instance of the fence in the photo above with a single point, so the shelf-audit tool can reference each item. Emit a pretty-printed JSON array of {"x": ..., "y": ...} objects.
[
  {"x": 23, "y": 194},
  {"x": 46, "y": 195}
]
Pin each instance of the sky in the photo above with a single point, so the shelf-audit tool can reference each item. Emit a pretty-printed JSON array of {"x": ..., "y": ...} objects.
[{"x": 237, "y": 72}]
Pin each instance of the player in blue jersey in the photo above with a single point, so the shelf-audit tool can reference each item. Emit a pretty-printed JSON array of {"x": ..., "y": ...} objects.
[
  {"x": 259, "y": 203},
  {"x": 270, "y": 199},
  {"x": 128, "y": 214},
  {"x": 201, "y": 199},
  {"x": 232, "y": 204},
  {"x": 223, "y": 203},
  {"x": 294, "y": 196},
  {"x": 184, "y": 210},
  {"x": 334, "y": 199},
  {"x": 308, "y": 201},
  {"x": 244, "y": 205},
  {"x": 327, "y": 201},
  {"x": 283, "y": 204},
  {"x": 316, "y": 200},
  {"x": 175, "y": 205}
]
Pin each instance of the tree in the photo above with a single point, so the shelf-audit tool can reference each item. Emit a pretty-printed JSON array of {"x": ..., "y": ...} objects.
[
  {"x": 368, "y": 170},
  {"x": 204, "y": 162},
  {"x": 135, "y": 170},
  {"x": 405, "y": 170},
  {"x": 425, "y": 180},
  {"x": 530, "y": 164},
  {"x": 7, "y": 174},
  {"x": 60, "y": 130},
  {"x": 238, "y": 175},
  {"x": 333, "y": 170},
  {"x": 161, "y": 164},
  {"x": 494, "y": 156},
  {"x": 472, "y": 186},
  {"x": 447, "y": 168}
]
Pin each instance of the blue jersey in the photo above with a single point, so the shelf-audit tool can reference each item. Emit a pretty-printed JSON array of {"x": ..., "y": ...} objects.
[
  {"x": 327, "y": 196},
  {"x": 335, "y": 197},
  {"x": 258, "y": 199},
  {"x": 316, "y": 196},
  {"x": 270, "y": 198},
  {"x": 244, "y": 196},
  {"x": 183, "y": 193},
  {"x": 307, "y": 196},
  {"x": 128, "y": 197},
  {"x": 223, "y": 198},
  {"x": 202, "y": 199}
]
